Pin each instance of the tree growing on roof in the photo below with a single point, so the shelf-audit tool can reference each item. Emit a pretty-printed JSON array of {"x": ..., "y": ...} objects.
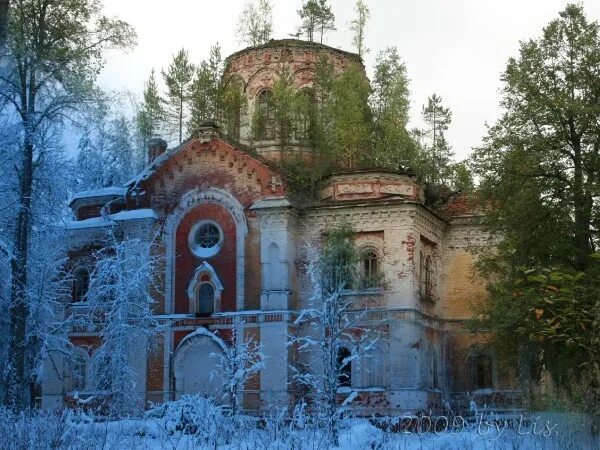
[
  {"x": 151, "y": 112},
  {"x": 178, "y": 80},
  {"x": 317, "y": 17},
  {"x": 205, "y": 90},
  {"x": 255, "y": 23},
  {"x": 358, "y": 26}
]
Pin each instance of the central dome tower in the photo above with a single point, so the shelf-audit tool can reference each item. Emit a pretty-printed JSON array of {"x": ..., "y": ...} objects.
[{"x": 250, "y": 76}]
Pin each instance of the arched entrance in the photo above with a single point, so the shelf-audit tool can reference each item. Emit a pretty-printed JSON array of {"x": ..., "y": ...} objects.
[{"x": 196, "y": 367}]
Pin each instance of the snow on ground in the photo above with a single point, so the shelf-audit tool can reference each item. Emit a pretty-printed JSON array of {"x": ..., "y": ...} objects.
[{"x": 198, "y": 424}]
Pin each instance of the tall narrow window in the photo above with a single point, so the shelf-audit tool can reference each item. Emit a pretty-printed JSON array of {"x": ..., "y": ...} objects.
[
  {"x": 79, "y": 373},
  {"x": 206, "y": 299},
  {"x": 428, "y": 286},
  {"x": 434, "y": 371},
  {"x": 425, "y": 277},
  {"x": 370, "y": 269},
  {"x": 345, "y": 367},
  {"x": 482, "y": 371},
  {"x": 81, "y": 284},
  {"x": 305, "y": 100},
  {"x": 422, "y": 281},
  {"x": 264, "y": 120}
]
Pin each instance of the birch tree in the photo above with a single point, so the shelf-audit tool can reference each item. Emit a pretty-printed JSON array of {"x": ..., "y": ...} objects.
[
  {"x": 120, "y": 301},
  {"x": 237, "y": 364},
  {"x": 338, "y": 330},
  {"x": 255, "y": 24},
  {"x": 358, "y": 26},
  {"x": 56, "y": 47}
]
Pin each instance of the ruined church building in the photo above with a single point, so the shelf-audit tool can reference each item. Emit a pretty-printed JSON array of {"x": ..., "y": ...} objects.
[{"x": 232, "y": 238}]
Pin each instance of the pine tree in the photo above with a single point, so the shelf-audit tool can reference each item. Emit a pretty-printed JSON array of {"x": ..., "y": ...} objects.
[
  {"x": 351, "y": 118},
  {"x": 151, "y": 114},
  {"x": 255, "y": 24},
  {"x": 317, "y": 17},
  {"x": 178, "y": 79},
  {"x": 393, "y": 144},
  {"x": 358, "y": 26},
  {"x": 438, "y": 152},
  {"x": 204, "y": 92}
]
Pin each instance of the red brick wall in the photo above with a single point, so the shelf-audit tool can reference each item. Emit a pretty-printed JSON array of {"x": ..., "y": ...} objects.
[{"x": 223, "y": 262}]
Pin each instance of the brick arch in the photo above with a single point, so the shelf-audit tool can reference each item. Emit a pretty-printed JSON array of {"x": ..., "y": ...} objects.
[
  {"x": 187, "y": 203},
  {"x": 249, "y": 89}
]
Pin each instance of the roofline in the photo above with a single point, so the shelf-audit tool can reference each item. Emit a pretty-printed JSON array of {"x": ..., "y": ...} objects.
[
  {"x": 405, "y": 171},
  {"x": 296, "y": 43}
]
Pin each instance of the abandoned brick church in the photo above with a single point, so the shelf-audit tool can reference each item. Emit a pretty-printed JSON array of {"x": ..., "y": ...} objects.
[{"x": 231, "y": 237}]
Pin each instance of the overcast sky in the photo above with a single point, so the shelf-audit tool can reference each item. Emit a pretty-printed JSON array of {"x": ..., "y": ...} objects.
[{"x": 455, "y": 48}]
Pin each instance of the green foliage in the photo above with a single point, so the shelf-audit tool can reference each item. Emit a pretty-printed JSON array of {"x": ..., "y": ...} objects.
[
  {"x": 358, "y": 26},
  {"x": 284, "y": 109},
  {"x": 350, "y": 117},
  {"x": 178, "y": 80},
  {"x": 540, "y": 163},
  {"x": 204, "y": 91},
  {"x": 316, "y": 18},
  {"x": 462, "y": 177},
  {"x": 255, "y": 24},
  {"x": 553, "y": 313},
  {"x": 437, "y": 153},
  {"x": 393, "y": 145},
  {"x": 232, "y": 107},
  {"x": 150, "y": 114},
  {"x": 338, "y": 259}
]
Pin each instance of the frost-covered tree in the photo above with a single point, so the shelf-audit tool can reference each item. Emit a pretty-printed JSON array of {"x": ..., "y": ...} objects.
[
  {"x": 107, "y": 153},
  {"x": 48, "y": 281},
  {"x": 120, "y": 301},
  {"x": 237, "y": 363},
  {"x": 255, "y": 24},
  {"x": 338, "y": 331},
  {"x": 178, "y": 79},
  {"x": 56, "y": 50}
]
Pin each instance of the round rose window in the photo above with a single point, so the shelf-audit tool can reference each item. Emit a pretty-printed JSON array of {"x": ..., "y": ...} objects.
[{"x": 205, "y": 239}]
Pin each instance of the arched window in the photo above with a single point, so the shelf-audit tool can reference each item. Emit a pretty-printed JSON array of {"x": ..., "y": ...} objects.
[
  {"x": 425, "y": 277},
  {"x": 81, "y": 284},
  {"x": 481, "y": 369},
  {"x": 79, "y": 366},
  {"x": 434, "y": 371},
  {"x": 265, "y": 120},
  {"x": 79, "y": 373},
  {"x": 344, "y": 368},
  {"x": 428, "y": 293},
  {"x": 305, "y": 101},
  {"x": 370, "y": 268},
  {"x": 277, "y": 275},
  {"x": 206, "y": 299}
]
